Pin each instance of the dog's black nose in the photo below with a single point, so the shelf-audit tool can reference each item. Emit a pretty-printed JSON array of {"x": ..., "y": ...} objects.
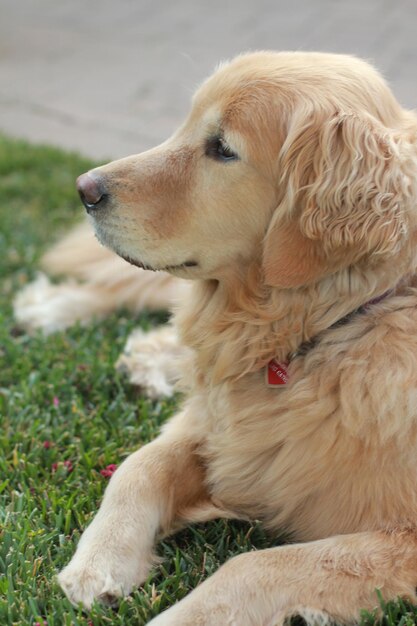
[{"x": 91, "y": 190}]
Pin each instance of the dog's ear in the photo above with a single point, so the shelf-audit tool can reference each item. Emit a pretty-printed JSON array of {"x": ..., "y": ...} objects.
[{"x": 344, "y": 197}]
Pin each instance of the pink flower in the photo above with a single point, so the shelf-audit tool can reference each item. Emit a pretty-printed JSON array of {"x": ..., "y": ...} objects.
[
  {"x": 47, "y": 444},
  {"x": 108, "y": 471},
  {"x": 67, "y": 464},
  {"x": 55, "y": 401}
]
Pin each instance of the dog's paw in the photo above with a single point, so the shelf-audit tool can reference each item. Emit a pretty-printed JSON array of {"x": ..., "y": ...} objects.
[
  {"x": 50, "y": 308},
  {"x": 85, "y": 584},
  {"x": 99, "y": 577},
  {"x": 151, "y": 361}
]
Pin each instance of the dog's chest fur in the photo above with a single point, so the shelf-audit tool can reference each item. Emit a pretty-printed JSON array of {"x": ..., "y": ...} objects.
[{"x": 297, "y": 457}]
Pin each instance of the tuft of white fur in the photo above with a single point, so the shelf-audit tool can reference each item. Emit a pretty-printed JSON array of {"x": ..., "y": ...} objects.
[
  {"x": 151, "y": 361},
  {"x": 50, "y": 308}
]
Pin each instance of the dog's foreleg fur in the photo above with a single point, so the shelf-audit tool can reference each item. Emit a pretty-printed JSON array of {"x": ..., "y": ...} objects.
[
  {"x": 331, "y": 579},
  {"x": 151, "y": 492},
  {"x": 152, "y": 360}
]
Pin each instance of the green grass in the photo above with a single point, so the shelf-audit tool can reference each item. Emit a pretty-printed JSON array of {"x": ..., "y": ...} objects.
[{"x": 63, "y": 389}]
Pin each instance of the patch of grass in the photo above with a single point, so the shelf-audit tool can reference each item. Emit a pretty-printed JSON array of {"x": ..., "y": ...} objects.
[{"x": 62, "y": 401}]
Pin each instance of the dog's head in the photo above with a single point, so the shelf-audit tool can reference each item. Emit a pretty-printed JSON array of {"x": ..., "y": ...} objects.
[{"x": 301, "y": 162}]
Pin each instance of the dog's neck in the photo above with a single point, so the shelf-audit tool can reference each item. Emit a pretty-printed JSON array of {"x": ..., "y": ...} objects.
[{"x": 237, "y": 325}]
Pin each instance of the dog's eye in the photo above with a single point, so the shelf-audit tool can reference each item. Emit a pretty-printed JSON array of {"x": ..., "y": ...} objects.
[{"x": 217, "y": 148}]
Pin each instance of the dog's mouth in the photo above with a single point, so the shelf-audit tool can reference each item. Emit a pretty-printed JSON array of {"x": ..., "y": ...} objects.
[
  {"x": 107, "y": 241},
  {"x": 167, "y": 268}
]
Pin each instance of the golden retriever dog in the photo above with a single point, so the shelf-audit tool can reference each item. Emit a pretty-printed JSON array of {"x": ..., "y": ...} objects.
[{"x": 288, "y": 198}]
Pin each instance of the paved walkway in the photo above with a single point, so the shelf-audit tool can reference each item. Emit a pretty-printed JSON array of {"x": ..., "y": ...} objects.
[{"x": 112, "y": 77}]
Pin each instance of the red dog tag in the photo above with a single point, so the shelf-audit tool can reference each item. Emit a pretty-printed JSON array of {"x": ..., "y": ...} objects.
[{"x": 276, "y": 373}]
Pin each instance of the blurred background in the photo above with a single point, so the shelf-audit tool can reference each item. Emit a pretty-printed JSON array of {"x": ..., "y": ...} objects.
[{"x": 112, "y": 77}]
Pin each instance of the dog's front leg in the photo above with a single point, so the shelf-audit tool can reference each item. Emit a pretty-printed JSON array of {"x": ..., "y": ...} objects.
[
  {"x": 152, "y": 491},
  {"x": 327, "y": 580}
]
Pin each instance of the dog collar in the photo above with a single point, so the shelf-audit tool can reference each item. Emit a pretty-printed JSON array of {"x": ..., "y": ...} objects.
[{"x": 276, "y": 372}]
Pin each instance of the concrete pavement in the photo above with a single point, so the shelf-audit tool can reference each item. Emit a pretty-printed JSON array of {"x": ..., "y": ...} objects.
[{"x": 112, "y": 77}]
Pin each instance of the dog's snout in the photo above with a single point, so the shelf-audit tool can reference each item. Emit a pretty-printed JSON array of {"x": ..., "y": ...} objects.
[{"x": 91, "y": 190}]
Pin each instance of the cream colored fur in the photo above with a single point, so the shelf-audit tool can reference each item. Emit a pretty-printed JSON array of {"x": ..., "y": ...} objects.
[
  {"x": 99, "y": 283},
  {"x": 152, "y": 360},
  {"x": 317, "y": 216}
]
